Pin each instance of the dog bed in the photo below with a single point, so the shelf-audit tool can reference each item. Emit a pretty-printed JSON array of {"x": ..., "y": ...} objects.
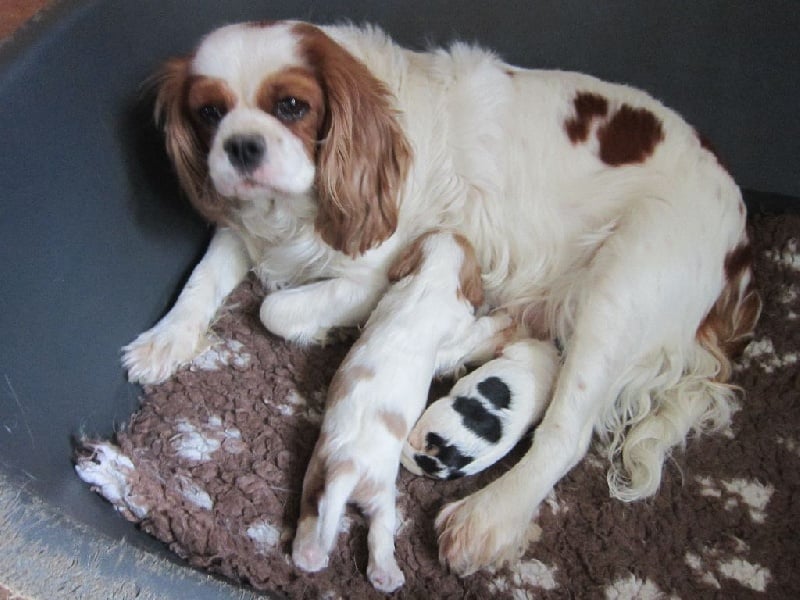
[{"x": 212, "y": 465}]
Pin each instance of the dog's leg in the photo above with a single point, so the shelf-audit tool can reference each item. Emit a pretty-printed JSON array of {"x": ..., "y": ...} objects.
[
  {"x": 326, "y": 490},
  {"x": 633, "y": 303},
  {"x": 306, "y": 314},
  {"x": 382, "y": 569},
  {"x": 181, "y": 334}
]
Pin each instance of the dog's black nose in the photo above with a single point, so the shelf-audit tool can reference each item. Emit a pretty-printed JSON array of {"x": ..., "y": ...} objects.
[{"x": 245, "y": 151}]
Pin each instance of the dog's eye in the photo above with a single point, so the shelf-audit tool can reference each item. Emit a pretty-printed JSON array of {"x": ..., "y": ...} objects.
[
  {"x": 290, "y": 109},
  {"x": 211, "y": 114}
]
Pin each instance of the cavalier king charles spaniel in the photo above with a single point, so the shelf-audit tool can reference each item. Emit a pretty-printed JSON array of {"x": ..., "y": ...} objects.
[{"x": 600, "y": 220}]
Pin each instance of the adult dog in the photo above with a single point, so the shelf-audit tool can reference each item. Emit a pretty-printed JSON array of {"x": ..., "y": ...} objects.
[{"x": 598, "y": 216}]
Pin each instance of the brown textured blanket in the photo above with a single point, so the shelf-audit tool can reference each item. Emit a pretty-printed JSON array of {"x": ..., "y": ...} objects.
[{"x": 213, "y": 464}]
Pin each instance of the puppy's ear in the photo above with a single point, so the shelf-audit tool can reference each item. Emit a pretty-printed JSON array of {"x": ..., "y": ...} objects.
[
  {"x": 184, "y": 148},
  {"x": 470, "y": 282},
  {"x": 363, "y": 156}
]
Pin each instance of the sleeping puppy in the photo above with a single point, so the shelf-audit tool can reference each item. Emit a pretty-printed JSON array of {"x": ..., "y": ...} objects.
[
  {"x": 424, "y": 324},
  {"x": 485, "y": 414}
]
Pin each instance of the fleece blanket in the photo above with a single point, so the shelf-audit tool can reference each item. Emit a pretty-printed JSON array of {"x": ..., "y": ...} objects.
[{"x": 212, "y": 464}]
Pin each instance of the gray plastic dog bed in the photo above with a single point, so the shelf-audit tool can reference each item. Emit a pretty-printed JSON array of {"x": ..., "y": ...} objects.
[{"x": 95, "y": 238}]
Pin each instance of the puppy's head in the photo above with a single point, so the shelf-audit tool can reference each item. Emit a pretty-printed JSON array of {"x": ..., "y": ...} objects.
[{"x": 271, "y": 112}]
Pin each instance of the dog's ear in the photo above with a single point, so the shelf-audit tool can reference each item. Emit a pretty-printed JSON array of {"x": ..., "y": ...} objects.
[
  {"x": 185, "y": 149},
  {"x": 363, "y": 155}
]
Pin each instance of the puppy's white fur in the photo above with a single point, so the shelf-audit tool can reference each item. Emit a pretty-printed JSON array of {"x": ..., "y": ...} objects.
[
  {"x": 484, "y": 415},
  {"x": 421, "y": 326},
  {"x": 599, "y": 217}
]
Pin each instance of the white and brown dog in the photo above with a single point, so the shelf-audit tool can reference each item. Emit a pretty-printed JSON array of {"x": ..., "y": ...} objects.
[
  {"x": 423, "y": 325},
  {"x": 598, "y": 216}
]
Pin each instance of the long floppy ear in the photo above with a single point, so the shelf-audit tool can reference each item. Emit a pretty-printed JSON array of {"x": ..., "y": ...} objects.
[
  {"x": 363, "y": 156},
  {"x": 184, "y": 148}
]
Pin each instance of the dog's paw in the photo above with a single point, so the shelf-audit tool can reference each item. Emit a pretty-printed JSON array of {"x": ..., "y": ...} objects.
[
  {"x": 476, "y": 533},
  {"x": 161, "y": 351},
  {"x": 282, "y": 314},
  {"x": 385, "y": 577},
  {"x": 308, "y": 555}
]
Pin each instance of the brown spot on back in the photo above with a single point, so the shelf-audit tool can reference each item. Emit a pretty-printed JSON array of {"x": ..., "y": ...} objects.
[
  {"x": 395, "y": 423},
  {"x": 629, "y": 136},
  {"x": 345, "y": 380},
  {"x": 587, "y": 107}
]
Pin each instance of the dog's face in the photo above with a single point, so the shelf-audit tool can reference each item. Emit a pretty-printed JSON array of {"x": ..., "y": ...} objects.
[{"x": 271, "y": 111}]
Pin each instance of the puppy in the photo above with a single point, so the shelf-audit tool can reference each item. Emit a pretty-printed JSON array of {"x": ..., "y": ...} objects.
[
  {"x": 485, "y": 415},
  {"x": 425, "y": 323}
]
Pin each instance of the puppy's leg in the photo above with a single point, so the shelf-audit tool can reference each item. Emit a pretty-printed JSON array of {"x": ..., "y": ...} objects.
[
  {"x": 621, "y": 318},
  {"x": 306, "y": 314},
  {"x": 326, "y": 490},
  {"x": 181, "y": 334},
  {"x": 382, "y": 569}
]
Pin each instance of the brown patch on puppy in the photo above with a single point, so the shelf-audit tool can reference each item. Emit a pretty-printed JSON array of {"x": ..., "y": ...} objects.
[
  {"x": 366, "y": 491},
  {"x": 364, "y": 155},
  {"x": 410, "y": 261},
  {"x": 588, "y": 106},
  {"x": 302, "y": 85},
  {"x": 205, "y": 93},
  {"x": 629, "y": 136},
  {"x": 395, "y": 424},
  {"x": 344, "y": 382},
  {"x": 470, "y": 282}
]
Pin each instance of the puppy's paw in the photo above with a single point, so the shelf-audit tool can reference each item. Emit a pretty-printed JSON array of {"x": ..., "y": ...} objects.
[
  {"x": 161, "y": 351},
  {"x": 385, "y": 577},
  {"x": 476, "y": 533},
  {"x": 307, "y": 552}
]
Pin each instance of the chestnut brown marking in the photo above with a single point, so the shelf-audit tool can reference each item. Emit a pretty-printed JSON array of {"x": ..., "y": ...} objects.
[
  {"x": 588, "y": 106},
  {"x": 299, "y": 83},
  {"x": 630, "y": 136},
  {"x": 729, "y": 325},
  {"x": 410, "y": 260},
  {"x": 185, "y": 144},
  {"x": 365, "y": 492},
  {"x": 364, "y": 156},
  {"x": 344, "y": 382},
  {"x": 738, "y": 260},
  {"x": 207, "y": 91},
  {"x": 395, "y": 424},
  {"x": 470, "y": 282},
  {"x": 313, "y": 482}
]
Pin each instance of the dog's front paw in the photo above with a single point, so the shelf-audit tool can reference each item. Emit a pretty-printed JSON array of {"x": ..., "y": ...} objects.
[
  {"x": 307, "y": 552},
  {"x": 478, "y": 532},
  {"x": 283, "y": 314},
  {"x": 385, "y": 577},
  {"x": 159, "y": 352}
]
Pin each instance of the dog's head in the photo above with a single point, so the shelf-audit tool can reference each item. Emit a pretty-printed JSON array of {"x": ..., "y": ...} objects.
[{"x": 273, "y": 111}]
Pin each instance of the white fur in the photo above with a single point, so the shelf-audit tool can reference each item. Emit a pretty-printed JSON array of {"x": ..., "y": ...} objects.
[
  {"x": 621, "y": 263},
  {"x": 527, "y": 370},
  {"x": 420, "y": 326}
]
